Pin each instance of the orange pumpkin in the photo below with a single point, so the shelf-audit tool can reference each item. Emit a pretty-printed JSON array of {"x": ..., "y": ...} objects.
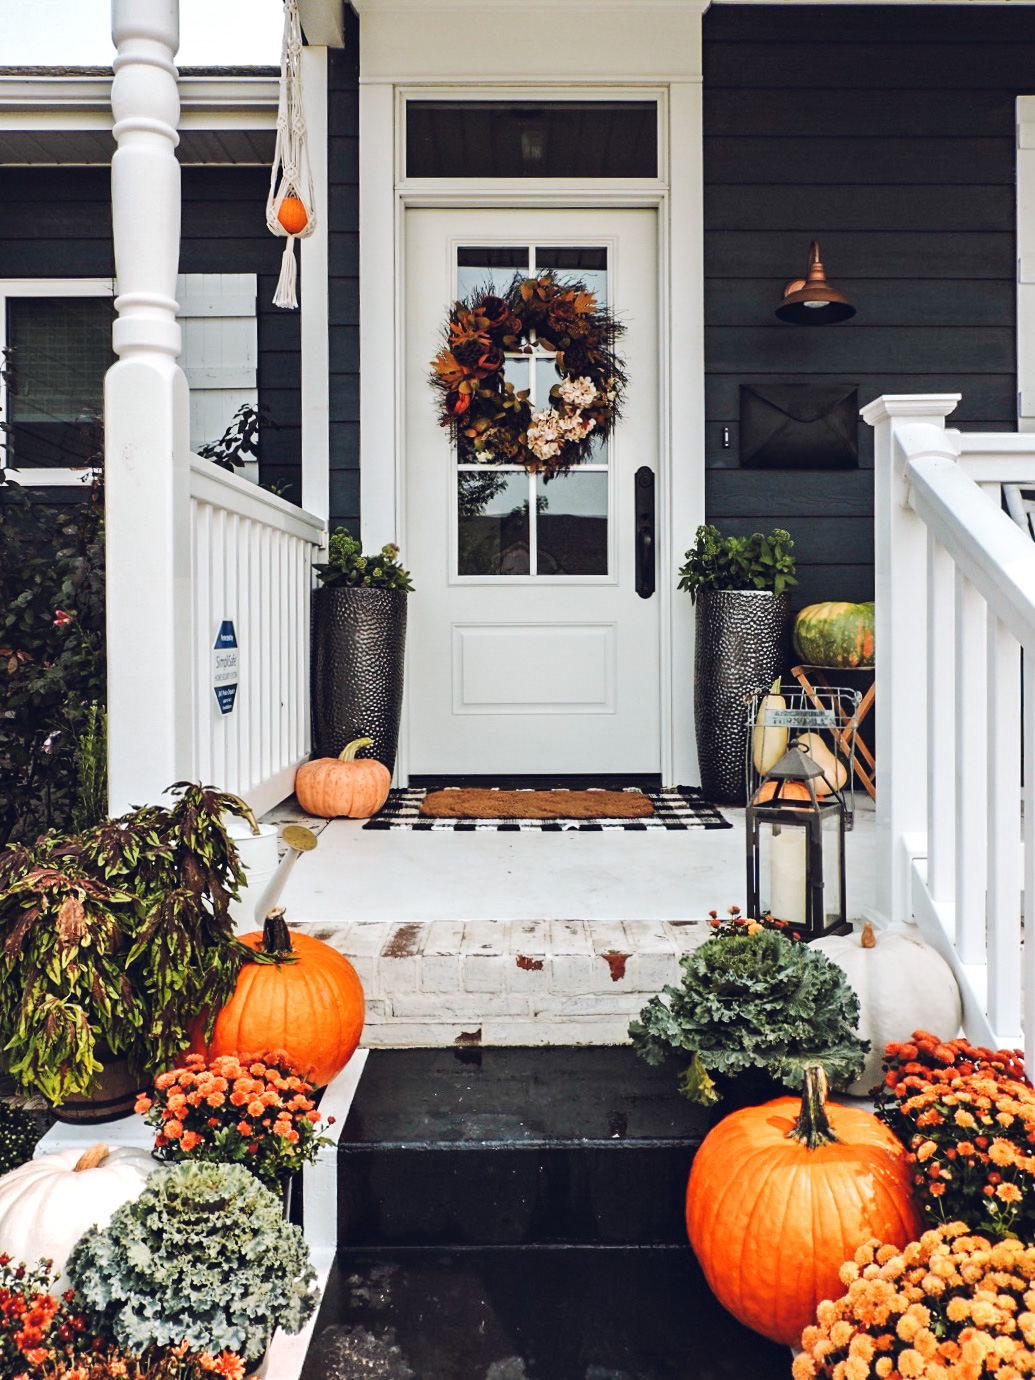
[
  {"x": 292, "y": 215},
  {"x": 780, "y": 1196},
  {"x": 300, "y": 996},
  {"x": 789, "y": 790},
  {"x": 343, "y": 785}
]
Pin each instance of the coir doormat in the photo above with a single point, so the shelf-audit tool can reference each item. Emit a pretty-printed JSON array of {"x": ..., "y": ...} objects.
[
  {"x": 472, "y": 802},
  {"x": 682, "y": 807}
]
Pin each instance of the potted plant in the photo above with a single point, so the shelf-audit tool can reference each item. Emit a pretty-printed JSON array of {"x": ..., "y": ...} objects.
[
  {"x": 58, "y": 1344},
  {"x": 112, "y": 942},
  {"x": 739, "y": 586},
  {"x": 754, "y": 1008},
  {"x": 359, "y": 639},
  {"x": 202, "y": 1257},
  {"x": 255, "y": 1111}
]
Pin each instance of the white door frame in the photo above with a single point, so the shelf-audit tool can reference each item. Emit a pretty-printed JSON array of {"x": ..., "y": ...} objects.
[{"x": 386, "y": 81}]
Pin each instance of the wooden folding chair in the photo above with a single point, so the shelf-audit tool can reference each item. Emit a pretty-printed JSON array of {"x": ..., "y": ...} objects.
[{"x": 845, "y": 731}]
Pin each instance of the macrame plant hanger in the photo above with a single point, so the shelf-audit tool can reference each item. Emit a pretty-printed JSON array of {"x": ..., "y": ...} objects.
[{"x": 291, "y": 178}]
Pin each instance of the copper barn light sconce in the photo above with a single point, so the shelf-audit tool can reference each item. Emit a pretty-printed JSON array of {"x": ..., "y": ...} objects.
[{"x": 811, "y": 301}]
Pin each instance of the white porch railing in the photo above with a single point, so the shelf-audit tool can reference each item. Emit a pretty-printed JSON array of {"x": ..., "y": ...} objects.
[
  {"x": 251, "y": 564},
  {"x": 955, "y": 591}
]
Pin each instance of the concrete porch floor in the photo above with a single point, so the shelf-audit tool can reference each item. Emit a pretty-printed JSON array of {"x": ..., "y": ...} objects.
[{"x": 522, "y": 938}]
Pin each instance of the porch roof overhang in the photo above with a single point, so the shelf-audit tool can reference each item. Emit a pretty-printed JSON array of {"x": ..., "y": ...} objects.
[{"x": 51, "y": 116}]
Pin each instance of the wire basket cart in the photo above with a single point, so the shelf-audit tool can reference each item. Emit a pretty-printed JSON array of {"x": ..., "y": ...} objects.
[{"x": 821, "y": 721}]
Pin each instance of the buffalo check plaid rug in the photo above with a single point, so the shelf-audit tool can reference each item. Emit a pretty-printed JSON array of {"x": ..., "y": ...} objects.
[{"x": 680, "y": 807}]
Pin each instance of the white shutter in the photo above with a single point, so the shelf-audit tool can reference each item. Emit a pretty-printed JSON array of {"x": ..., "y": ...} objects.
[{"x": 220, "y": 351}]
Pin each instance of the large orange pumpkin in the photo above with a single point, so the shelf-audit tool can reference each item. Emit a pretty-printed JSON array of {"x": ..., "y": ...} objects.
[
  {"x": 784, "y": 790},
  {"x": 343, "y": 785},
  {"x": 781, "y": 1195},
  {"x": 292, "y": 215},
  {"x": 299, "y": 995}
]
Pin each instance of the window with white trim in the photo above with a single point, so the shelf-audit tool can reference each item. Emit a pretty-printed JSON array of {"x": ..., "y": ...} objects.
[{"x": 56, "y": 338}]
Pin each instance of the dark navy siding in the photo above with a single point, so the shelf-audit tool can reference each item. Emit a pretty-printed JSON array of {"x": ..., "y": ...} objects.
[
  {"x": 343, "y": 252},
  {"x": 888, "y": 134}
]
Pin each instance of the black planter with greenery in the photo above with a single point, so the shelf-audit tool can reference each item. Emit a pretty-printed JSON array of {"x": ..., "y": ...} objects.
[
  {"x": 358, "y": 650},
  {"x": 738, "y": 585}
]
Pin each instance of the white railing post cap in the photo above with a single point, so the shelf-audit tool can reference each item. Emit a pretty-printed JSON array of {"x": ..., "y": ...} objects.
[{"x": 888, "y": 405}]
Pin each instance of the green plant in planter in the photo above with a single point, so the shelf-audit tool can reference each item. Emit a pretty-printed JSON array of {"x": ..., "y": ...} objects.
[
  {"x": 755, "y": 562},
  {"x": 346, "y": 565},
  {"x": 753, "y": 1003},
  {"x": 19, "y": 1133},
  {"x": 115, "y": 939},
  {"x": 203, "y": 1256}
]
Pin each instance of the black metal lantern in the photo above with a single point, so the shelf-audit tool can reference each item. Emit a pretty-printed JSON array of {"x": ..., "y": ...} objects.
[{"x": 796, "y": 849}]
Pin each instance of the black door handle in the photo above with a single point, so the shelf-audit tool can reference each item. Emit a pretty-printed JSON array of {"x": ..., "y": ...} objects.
[{"x": 644, "y": 508}]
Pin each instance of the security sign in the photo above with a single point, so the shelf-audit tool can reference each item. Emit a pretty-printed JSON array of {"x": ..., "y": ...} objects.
[{"x": 225, "y": 659}]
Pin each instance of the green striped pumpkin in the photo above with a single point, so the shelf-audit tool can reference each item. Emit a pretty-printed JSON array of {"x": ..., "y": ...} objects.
[{"x": 835, "y": 634}]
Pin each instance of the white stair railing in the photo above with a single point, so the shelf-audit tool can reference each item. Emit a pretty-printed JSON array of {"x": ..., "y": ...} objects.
[
  {"x": 251, "y": 567},
  {"x": 955, "y": 594}
]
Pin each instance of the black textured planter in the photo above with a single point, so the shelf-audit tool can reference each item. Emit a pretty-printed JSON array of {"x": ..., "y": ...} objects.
[
  {"x": 741, "y": 644},
  {"x": 356, "y": 675}
]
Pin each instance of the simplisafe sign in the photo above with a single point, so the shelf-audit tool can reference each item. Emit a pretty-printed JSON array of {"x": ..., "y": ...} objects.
[{"x": 225, "y": 660}]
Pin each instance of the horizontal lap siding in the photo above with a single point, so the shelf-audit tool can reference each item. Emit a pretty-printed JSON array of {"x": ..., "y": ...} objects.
[
  {"x": 887, "y": 133},
  {"x": 223, "y": 231},
  {"x": 343, "y": 305}
]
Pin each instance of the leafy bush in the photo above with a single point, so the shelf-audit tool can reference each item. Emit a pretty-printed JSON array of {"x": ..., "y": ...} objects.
[
  {"x": 18, "y": 1136},
  {"x": 753, "y": 1002},
  {"x": 346, "y": 565},
  {"x": 52, "y": 652},
  {"x": 755, "y": 562},
  {"x": 203, "y": 1256}
]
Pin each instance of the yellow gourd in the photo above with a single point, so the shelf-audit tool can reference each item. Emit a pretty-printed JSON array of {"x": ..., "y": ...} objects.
[
  {"x": 835, "y": 773},
  {"x": 768, "y": 741}
]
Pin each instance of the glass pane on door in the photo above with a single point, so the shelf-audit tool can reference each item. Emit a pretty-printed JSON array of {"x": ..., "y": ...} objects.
[{"x": 510, "y": 523}]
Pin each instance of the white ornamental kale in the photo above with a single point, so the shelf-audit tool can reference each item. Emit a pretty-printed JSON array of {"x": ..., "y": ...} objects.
[{"x": 203, "y": 1256}]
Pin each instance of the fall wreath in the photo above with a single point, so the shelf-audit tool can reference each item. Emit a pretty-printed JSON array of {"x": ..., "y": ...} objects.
[{"x": 492, "y": 422}]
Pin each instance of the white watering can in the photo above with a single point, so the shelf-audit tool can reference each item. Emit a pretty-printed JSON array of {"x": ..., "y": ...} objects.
[{"x": 264, "y": 876}]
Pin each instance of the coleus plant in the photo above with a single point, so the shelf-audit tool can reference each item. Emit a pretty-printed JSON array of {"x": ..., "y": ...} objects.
[{"x": 112, "y": 941}]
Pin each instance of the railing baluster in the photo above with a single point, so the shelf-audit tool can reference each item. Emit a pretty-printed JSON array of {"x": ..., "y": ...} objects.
[
  {"x": 971, "y": 771},
  {"x": 1004, "y": 833},
  {"x": 941, "y": 722},
  {"x": 1028, "y": 904}
]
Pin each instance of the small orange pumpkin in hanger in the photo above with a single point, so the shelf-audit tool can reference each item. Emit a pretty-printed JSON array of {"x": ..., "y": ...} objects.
[{"x": 292, "y": 215}]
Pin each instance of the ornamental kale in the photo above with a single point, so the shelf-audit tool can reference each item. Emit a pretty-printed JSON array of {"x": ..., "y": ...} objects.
[
  {"x": 204, "y": 1257},
  {"x": 751, "y": 1002}
]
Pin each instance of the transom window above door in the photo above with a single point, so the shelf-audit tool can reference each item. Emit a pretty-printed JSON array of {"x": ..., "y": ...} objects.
[
  {"x": 509, "y": 522},
  {"x": 519, "y": 139}
]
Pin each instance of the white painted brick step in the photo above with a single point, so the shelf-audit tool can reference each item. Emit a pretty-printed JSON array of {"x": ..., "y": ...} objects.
[{"x": 511, "y": 981}]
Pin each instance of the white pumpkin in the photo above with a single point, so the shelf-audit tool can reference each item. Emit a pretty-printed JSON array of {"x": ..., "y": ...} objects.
[
  {"x": 902, "y": 985},
  {"x": 49, "y": 1203}
]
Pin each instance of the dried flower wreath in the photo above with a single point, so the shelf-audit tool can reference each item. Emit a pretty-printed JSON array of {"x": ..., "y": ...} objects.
[{"x": 492, "y": 421}]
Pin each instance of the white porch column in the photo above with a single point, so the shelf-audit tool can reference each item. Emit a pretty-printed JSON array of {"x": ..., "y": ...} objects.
[
  {"x": 146, "y": 419},
  {"x": 900, "y": 559}
]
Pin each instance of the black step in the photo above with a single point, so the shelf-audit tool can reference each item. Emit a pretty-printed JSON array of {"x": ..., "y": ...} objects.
[
  {"x": 572, "y": 1313},
  {"x": 586, "y": 1146}
]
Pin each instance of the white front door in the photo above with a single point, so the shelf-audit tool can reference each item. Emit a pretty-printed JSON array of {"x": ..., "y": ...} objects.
[{"x": 529, "y": 648}]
